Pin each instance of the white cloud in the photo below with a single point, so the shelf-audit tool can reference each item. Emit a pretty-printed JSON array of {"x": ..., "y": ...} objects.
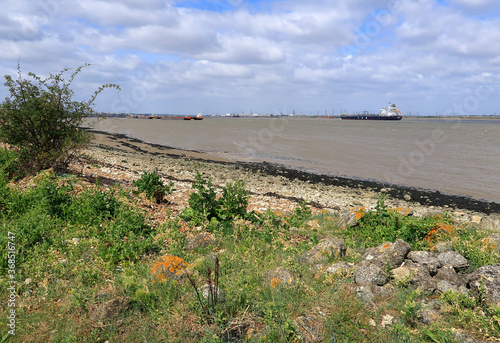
[{"x": 295, "y": 54}]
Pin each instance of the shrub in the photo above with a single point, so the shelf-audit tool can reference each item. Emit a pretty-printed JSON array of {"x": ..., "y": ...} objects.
[
  {"x": 154, "y": 188},
  {"x": 40, "y": 119},
  {"x": 204, "y": 204}
]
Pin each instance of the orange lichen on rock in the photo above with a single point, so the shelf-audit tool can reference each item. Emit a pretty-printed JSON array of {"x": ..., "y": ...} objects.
[
  {"x": 275, "y": 282},
  {"x": 405, "y": 211},
  {"x": 169, "y": 267}
]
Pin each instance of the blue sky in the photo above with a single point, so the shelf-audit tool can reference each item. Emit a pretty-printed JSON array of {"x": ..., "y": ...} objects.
[{"x": 428, "y": 56}]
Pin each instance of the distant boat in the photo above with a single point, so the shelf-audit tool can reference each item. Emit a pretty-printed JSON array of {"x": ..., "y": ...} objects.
[
  {"x": 391, "y": 112},
  {"x": 198, "y": 117}
]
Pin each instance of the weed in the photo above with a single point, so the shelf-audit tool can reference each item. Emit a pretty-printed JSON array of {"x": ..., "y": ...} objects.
[{"x": 154, "y": 188}]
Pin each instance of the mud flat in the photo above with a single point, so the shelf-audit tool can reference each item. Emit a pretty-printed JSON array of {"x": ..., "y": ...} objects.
[{"x": 272, "y": 182}]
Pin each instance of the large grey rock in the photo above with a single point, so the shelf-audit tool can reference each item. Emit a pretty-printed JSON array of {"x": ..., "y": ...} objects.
[
  {"x": 370, "y": 274},
  {"x": 108, "y": 311},
  {"x": 453, "y": 259},
  {"x": 201, "y": 240},
  {"x": 389, "y": 255},
  {"x": 278, "y": 277},
  {"x": 488, "y": 278},
  {"x": 414, "y": 274},
  {"x": 326, "y": 249},
  {"x": 449, "y": 281},
  {"x": 426, "y": 259},
  {"x": 309, "y": 329}
]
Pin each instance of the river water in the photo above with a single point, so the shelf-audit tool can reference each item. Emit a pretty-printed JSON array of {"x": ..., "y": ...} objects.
[{"x": 459, "y": 157}]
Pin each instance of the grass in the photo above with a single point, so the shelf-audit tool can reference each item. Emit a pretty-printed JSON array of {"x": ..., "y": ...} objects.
[{"x": 78, "y": 246}]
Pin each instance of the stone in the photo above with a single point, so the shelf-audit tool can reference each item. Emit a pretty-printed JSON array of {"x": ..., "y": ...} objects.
[
  {"x": 169, "y": 267},
  {"x": 414, "y": 274},
  {"x": 326, "y": 249},
  {"x": 454, "y": 259},
  {"x": 426, "y": 259},
  {"x": 342, "y": 268},
  {"x": 488, "y": 278},
  {"x": 370, "y": 274},
  {"x": 309, "y": 329},
  {"x": 205, "y": 292},
  {"x": 105, "y": 312},
  {"x": 201, "y": 240},
  {"x": 428, "y": 316},
  {"x": 387, "y": 320},
  {"x": 476, "y": 219},
  {"x": 278, "y": 277},
  {"x": 449, "y": 281},
  {"x": 442, "y": 247},
  {"x": 390, "y": 255}
]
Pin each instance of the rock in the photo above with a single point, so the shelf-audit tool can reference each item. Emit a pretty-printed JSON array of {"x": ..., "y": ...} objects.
[
  {"x": 309, "y": 329},
  {"x": 476, "y": 219},
  {"x": 169, "y": 267},
  {"x": 326, "y": 249},
  {"x": 454, "y": 259},
  {"x": 449, "y": 281},
  {"x": 386, "y": 255},
  {"x": 488, "y": 278},
  {"x": 428, "y": 316},
  {"x": 426, "y": 259},
  {"x": 414, "y": 274},
  {"x": 109, "y": 310},
  {"x": 342, "y": 268},
  {"x": 205, "y": 292},
  {"x": 442, "y": 247},
  {"x": 370, "y": 274},
  {"x": 387, "y": 320},
  {"x": 350, "y": 218},
  {"x": 278, "y": 277},
  {"x": 365, "y": 294},
  {"x": 201, "y": 240}
]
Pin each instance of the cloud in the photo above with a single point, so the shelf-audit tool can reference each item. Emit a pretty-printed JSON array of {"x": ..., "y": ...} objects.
[{"x": 180, "y": 56}]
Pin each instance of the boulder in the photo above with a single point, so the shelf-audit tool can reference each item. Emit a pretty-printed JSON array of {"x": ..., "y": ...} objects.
[
  {"x": 390, "y": 255},
  {"x": 449, "y": 281},
  {"x": 309, "y": 329},
  {"x": 487, "y": 278},
  {"x": 169, "y": 267},
  {"x": 201, "y": 240},
  {"x": 453, "y": 259},
  {"x": 426, "y": 259},
  {"x": 370, "y": 274},
  {"x": 442, "y": 247},
  {"x": 415, "y": 274},
  {"x": 106, "y": 312},
  {"x": 326, "y": 249},
  {"x": 278, "y": 277}
]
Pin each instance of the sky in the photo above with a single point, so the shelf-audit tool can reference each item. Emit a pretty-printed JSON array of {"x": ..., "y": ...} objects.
[{"x": 271, "y": 57}]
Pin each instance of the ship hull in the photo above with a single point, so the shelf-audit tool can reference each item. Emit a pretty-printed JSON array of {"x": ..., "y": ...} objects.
[{"x": 370, "y": 117}]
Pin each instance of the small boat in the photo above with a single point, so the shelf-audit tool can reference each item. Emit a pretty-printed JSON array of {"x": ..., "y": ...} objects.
[{"x": 391, "y": 112}]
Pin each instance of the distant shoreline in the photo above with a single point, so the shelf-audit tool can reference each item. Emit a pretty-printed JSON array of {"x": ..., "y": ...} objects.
[{"x": 424, "y": 197}]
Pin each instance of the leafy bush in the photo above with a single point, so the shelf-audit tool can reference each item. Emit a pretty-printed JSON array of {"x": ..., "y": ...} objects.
[
  {"x": 154, "y": 188},
  {"x": 204, "y": 204},
  {"x": 40, "y": 119}
]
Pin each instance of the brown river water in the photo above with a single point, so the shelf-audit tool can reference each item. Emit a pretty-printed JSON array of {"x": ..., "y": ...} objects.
[{"x": 453, "y": 156}]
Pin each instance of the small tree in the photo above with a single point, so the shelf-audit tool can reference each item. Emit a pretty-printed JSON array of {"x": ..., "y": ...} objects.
[{"x": 40, "y": 119}]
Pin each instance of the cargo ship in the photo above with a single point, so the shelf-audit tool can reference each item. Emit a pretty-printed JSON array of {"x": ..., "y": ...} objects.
[
  {"x": 391, "y": 112},
  {"x": 198, "y": 117}
]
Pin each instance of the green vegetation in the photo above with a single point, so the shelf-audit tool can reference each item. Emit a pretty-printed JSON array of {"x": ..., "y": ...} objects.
[
  {"x": 79, "y": 246},
  {"x": 41, "y": 121},
  {"x": 154, "y": 188}
]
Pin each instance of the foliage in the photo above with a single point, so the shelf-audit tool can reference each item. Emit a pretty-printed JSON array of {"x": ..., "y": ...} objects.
[
  {"x": 205, "y": 205},
  {"x": 383, "y": 225},
  {"x": 154, "y": 188},
  {"x": 40, "y": 119}
]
